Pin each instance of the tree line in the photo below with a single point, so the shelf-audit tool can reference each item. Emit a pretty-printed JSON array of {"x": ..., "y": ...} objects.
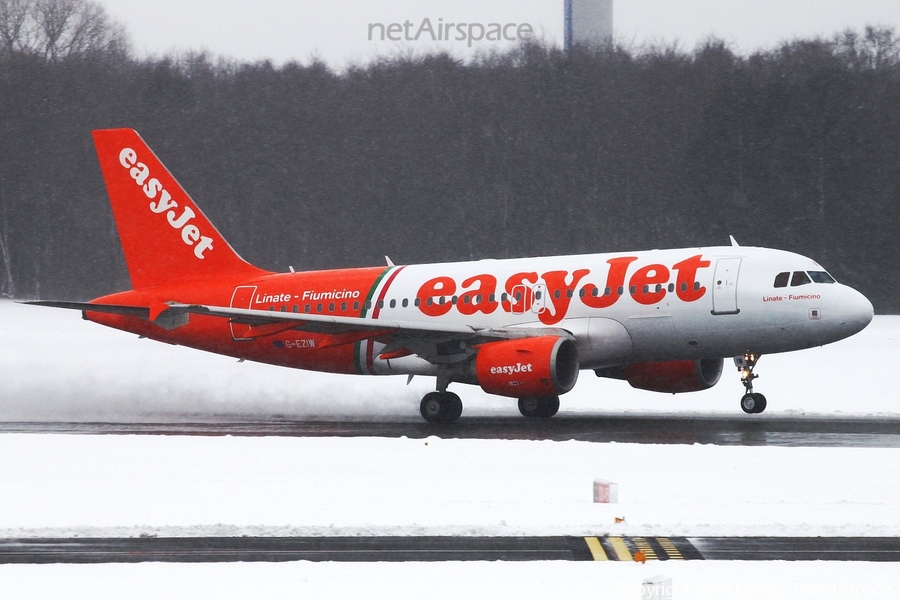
[{"x": 432, "y": 158}]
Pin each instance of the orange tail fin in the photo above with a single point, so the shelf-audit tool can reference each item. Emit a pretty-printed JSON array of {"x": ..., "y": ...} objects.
[{"x": 165, "y": 237}]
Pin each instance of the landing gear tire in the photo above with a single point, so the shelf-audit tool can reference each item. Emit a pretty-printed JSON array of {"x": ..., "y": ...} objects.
[
  {"x": 539, "y": 408},
  {"x": 441, "y": 407},
  {"x": 455, "y": 408},
  {"x": 753, "y": 403}
]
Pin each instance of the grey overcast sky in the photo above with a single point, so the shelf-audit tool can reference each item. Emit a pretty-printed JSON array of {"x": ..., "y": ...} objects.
[{"x": 337, "y": 31}]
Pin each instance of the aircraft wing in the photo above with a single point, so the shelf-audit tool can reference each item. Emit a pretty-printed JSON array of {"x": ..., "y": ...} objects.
[{"x": 435, "y": 342}]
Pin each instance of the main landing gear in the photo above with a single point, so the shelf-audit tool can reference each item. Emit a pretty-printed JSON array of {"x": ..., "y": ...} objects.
[
  {"x": 441, "y": 407},
  {"x": 751, "y": 403},
  {"x": 540, "y": 408}
]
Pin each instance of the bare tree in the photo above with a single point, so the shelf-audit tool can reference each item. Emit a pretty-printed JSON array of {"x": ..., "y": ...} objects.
[
  {"x": 16, "y": 25},
  {"x": 56, "y": 29}
]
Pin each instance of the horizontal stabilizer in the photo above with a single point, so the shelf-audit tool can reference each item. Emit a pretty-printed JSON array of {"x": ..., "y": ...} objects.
[
  {"x": 158, "y": 313},
  {"x": 115, "y": 309}
]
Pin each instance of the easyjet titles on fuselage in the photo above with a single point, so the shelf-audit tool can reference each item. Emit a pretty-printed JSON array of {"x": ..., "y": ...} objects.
[
  {"x": 648, "y": 285},
  {"x": 436, "y": 297}
]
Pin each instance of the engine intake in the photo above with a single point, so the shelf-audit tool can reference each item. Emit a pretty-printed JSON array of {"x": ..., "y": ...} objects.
[{"x": 530, "y": 367}]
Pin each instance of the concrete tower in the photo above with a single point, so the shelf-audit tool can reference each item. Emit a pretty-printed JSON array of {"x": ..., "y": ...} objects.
[{"x": 588, "y": 22}]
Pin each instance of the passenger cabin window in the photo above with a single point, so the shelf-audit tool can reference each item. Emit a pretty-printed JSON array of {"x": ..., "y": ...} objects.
[
  {"x": 800, "y": 278},
  {"x": 781, "y": 280},
  {"x": 821, "y": 277}
]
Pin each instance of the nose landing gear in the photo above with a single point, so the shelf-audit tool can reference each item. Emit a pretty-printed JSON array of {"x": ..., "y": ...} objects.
[{"x": 751, "y": 403}]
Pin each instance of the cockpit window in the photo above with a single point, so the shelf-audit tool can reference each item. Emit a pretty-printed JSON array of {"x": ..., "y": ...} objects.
[
  {"x": 821, "y": 277},
  {"x": 781, "y": 280},
  {"x": 800, "y": 278}
]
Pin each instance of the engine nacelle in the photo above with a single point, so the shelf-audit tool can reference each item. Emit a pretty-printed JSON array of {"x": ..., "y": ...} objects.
[
  {"x": 530, "y": 367},
  {"x": 675, "y": 376}
]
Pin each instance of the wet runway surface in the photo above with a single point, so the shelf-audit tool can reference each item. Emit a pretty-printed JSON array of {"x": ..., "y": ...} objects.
[
  {"x": 437, "y": 548},
  {"x": 738, "y": 430}
]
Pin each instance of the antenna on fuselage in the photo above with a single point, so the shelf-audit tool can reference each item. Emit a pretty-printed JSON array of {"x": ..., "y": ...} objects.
[
  {"x": 387, "y": 259},
  {"x": 733, "y": 241}
]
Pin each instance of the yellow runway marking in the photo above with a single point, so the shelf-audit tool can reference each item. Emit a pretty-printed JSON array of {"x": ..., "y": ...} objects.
[
  {"x": 622, "y": 551},
  {"x": 670, "y": 548},
  {"x": 645, "y": 547},
  {"x": 596, "y": 548}
]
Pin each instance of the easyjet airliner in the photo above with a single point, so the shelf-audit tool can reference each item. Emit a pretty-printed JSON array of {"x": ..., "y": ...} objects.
[{"x": 663, "y": 320}]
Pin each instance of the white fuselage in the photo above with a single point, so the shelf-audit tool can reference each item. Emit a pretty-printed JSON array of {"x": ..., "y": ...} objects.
[{"x": 721, "y": 302}]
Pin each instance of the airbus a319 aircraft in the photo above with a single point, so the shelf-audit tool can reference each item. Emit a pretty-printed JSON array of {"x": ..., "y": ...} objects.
[{"x": 664, "y": 320}]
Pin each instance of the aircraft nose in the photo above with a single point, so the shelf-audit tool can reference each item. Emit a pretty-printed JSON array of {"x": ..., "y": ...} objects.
[{"x": 857, "y": 311}]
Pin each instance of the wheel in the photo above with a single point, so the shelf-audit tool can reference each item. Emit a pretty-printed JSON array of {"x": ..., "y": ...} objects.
[
  {"x": 753, "y": 403},
  {"x": 748, "y": 403},
  {"x": 760, "y": 403},
  {"x": 529, "y": 407},
  {"x": 539, "y": 408},
  {"x": 437, "y": 407},
  {"x": 432, "y": 407},
  {"x": 454, "y": 408},
  {"x": 551, "y": 407}
]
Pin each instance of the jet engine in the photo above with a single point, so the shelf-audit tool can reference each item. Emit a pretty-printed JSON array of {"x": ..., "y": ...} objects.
[
  {"x": 531, "y": 367},
  {"x": 672, "y": 376}
]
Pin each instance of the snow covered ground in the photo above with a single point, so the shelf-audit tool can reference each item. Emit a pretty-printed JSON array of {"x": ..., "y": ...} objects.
[
  {"x": 55, "y": 366},
  {"x": 452, "y": 581}
]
